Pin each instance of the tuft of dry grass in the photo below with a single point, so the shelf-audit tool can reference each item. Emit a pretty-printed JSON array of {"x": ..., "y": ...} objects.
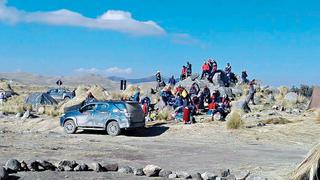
[
  {"x": 234, "y": 120},
  {"x": 52, "y": 111},
  {"x": 164, "y": 114},
  {"x": 309, "y": 167},
  {"x": 282, "y": 93}
]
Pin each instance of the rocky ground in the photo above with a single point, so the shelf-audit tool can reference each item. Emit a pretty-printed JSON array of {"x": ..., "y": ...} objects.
[{"x": 270, "y": 151}]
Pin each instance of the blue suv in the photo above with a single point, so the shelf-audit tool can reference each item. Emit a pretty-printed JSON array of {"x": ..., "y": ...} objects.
[{"x": 112, "y": 116}]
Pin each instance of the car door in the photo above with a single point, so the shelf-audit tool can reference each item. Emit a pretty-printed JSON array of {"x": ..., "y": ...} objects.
[
  {"x": 101, "y": 115},
  {"x": 85, "y": 119}
]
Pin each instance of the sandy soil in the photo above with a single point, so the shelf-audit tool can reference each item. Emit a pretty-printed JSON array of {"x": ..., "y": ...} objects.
[{"x": 271, "y": 151}]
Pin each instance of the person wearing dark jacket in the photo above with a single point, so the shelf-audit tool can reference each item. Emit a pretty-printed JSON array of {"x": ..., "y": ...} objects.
[
  {"x": 189, "y": 69},
  {"x": 244, "y": 77},
  {"x": 158, "y": 77},
  {"x": 172, "y": 81},
  {"x": 252, "y": 92}
]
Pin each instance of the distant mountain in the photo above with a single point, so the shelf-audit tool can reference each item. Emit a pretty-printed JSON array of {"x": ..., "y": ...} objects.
[
  {"x": 73, "y": 81},
  {"x": 136, "y": 81}
]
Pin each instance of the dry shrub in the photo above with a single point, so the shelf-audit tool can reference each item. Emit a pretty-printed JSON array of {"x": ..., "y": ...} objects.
[
  {"x": 278, "y": 120},
  {"x": 309, "y": 167},
  {"x": 302, "y": 99},
  {"x": 52, "y": 111},
  {"x": 13, "y": 105},
  {"x": 164, "y": 114},
  {"x": 234, "y": 120},
  {"x": 283, "y": 91}
]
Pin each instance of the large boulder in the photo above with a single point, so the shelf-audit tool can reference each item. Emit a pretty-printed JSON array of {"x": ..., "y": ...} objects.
[
  {"x": 138, "y": 172},
  {"x": 183, "y": 175},
  {"x": 291, "y": 97},
  {"x": 97, "y": 167},
  {"x": 13, "y": 165},
  {"x": 82, "y": 167},
  {"x": 111, "y": 167},
  {"x": 3, "y": 173},
  {"x": 241, "y": 105},
  {"x": 164, "y": 173},
  {"x": 208, "y": 176},
  {"x": 217, "y": 79},
  {"x": 47, "y": 165},
  {"x": 66, "y": 165},
  {"x": 152, "y": 170}
]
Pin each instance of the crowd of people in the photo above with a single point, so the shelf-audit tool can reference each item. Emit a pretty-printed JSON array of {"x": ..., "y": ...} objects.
[{"x": 186, "y": 103}]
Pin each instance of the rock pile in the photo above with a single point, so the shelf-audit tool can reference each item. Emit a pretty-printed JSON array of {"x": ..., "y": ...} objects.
[{"x": 13, "y": 166}]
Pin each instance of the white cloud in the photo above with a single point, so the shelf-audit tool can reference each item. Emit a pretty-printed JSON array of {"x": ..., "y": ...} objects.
[
  {"x": 107, "y": 72},
  {"x": 186, "y": 39},
  {"x": 115, "y": 20}
]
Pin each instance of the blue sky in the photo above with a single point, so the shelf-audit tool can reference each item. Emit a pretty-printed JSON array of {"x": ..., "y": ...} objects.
[{"x": 277, "y": 41}]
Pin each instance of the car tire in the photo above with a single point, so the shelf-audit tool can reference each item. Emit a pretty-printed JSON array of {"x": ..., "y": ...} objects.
[
  {"x": 66, "y": 98},
  {"x": 113, "y": 128},
  {"x": 70, "y": 127}
]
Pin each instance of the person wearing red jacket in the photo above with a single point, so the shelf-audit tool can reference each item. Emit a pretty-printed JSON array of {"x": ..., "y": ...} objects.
[
  {"x": 184, "y": 73},
  {"x": 205, "y": 70}
]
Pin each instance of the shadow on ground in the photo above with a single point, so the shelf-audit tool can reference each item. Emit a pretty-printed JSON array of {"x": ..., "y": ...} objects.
[{"x": 152, "y": 131}]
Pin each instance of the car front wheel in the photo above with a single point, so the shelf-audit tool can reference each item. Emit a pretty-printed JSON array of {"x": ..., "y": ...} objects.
[
  {"x": 70, "y": 127},
  {"x": 113, "y": 128}
]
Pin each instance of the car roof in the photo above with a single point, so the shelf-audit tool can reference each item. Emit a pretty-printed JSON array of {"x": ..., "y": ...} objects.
[{"x": 111, "y": 101}]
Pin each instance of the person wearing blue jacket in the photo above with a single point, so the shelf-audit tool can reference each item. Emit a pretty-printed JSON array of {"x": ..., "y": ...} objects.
[{"x": 172, "y": 81}]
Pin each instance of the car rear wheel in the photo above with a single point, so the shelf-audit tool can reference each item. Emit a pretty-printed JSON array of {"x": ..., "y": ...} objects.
[
  {"x": 66, "y": 98},
  {"x": 113, "y": 128},
  {"x": 70, "y": 127}
]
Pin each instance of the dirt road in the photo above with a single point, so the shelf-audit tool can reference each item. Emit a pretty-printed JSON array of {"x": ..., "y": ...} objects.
[{"x": 271, "y": 151}]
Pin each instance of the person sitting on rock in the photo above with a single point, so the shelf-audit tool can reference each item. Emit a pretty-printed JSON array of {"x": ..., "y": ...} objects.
[
  {"x": 206, "y": 94},
  {"x": 178, "y": 102},
  {"x": 226, "y": 101},
  {"x": 166, "y": 96},
  {"x": 205, "y": 70},
  {"x": 194, "y": 90},
  {"x": 179, "y": 90}
]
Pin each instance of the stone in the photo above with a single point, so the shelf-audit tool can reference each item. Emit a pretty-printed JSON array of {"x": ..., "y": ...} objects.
[
  {"x": 26, "y": 115},
  {"x": 35, "y": 166},
  {"x": 231, "y": 177},
  {"x": 125, "y": 170},
  {"x": 97, "y": 167},
  {"x": 111, "y": 167},
  {"x": 18, "y": 115},
  {"x": 66, "y": 165},
  {"x": 13, "y": 164},
  {"x": 291, "y": 97},
  {"x": 197, "y": 176},
  {"x": 24, "y": 166},
  {"x": 138, "y": 172},
  {"x": 173, "y": 176},
  {"x": 183, "y": 175},
  {"x": 3, "y": 173},
  {"x": 208, "y": 176},
  {"x": 164, "y": 173},
  {"x": 224, "y": 172},
  {"x": 47, "y": 165},
  {"x": 41, "y": 110},
  {"x": 151, "y": 170},
  {"x": 82, "y": 167}
]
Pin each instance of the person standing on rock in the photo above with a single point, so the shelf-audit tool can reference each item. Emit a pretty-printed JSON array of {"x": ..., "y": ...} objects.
[
  {"x": 158, "y": 77},
  {"x": 184, "y": 73},
  {"x": 172, "y": 81},
  {"x": 252, "y": 92},
  {"x": 205, "y": 70},
  {"x": 189, "y": 69},
  {"x": 244, "y": 77}
]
